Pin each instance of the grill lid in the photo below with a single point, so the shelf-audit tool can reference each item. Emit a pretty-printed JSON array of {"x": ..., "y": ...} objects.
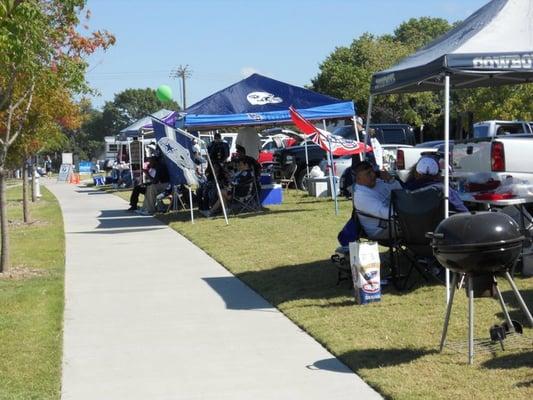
[{"x": 476, "y": 230}]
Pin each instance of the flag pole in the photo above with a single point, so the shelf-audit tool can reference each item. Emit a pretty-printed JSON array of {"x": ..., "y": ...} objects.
[
  {"x": 202, "y": 142},
  {"x": 331, "y": 172},
  {"x": 357, "y": 136},
  {"x": 216, "y": 181}
]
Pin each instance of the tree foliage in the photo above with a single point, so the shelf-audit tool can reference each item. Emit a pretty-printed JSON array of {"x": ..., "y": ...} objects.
[
  {"x": 41, "y": 59},
  {"x": 129, "y": 106},
  {"x": 346, "y": 73}
]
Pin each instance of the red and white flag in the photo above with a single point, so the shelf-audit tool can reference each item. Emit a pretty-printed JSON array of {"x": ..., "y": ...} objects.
[{"x": 338, "y": 145}]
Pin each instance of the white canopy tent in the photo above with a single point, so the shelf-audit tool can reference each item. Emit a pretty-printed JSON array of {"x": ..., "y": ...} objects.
[{"x": 492, "y": 47}]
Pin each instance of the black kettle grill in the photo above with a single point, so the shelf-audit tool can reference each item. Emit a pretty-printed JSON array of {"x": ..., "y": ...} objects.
[{"x": 478, "y": 245}]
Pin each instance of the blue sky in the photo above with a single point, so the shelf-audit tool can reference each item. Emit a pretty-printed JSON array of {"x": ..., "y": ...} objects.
[{"x": 223, "y": 41}]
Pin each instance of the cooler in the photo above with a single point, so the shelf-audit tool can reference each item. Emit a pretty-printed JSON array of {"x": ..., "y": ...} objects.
[
  {"x": 265, "y": 179},
  {"x": 271, "y": 194}
]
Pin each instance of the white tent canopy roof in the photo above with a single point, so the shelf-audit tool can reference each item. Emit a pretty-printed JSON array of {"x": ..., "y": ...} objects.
[{"x": 494, "y": 46}]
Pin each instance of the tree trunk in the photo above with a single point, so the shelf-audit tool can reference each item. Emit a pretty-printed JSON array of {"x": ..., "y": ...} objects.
[
  {"x": 4, "y": 255},
  {"x": 25, "y": 201}
]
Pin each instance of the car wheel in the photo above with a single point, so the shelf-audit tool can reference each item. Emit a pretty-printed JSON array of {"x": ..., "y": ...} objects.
[{"x": 302, "y": 180}]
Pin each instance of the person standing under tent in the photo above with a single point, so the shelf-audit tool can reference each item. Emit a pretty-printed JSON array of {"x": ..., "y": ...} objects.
[
  {"x": 218, "y": 150},
  {"x": 376, "y": 157}
]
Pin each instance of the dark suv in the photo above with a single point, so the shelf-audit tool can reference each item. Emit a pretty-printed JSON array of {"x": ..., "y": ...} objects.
[{"x": 283, "y": 158}]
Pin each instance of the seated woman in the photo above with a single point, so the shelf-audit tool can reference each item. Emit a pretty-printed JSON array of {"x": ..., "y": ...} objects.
[
  {"x": 427, "y": 173},
  {"x": 240, "y": 179},
  {"x": 207, "y": 191}
]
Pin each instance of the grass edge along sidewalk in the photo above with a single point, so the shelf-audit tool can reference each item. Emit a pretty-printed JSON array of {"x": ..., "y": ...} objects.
[
  {"x": 32, "y": 301},
  {"x": 283, "y": 254}
]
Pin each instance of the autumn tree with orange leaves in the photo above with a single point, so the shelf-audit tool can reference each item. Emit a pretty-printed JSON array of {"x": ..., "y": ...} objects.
[{"x": 41, "y": 54}]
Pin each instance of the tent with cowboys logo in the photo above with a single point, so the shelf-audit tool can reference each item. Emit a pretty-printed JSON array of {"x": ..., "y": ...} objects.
[
  {"x": 258, "y": 100},
  {"x": 492, "y": 47}
]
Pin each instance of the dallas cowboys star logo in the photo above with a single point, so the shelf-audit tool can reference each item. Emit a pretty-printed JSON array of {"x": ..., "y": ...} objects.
[{"x": 169, "y": 148}]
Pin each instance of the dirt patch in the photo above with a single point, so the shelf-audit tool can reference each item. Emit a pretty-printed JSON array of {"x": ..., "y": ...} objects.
[
  {"x": 20, "y": 272},
  {"x": 21, "y": 224}
]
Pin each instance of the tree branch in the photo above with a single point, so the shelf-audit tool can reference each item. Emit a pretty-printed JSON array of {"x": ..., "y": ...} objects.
[{"x": 29, "y": 92}]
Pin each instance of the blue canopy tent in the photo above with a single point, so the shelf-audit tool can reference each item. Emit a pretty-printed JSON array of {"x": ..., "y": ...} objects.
[
  {"x": 143, "y": 126},
  {"x": 258, "y": 100}
]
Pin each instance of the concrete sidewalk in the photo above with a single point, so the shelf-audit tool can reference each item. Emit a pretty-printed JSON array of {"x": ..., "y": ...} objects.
[{"x": 148, "y": 316}]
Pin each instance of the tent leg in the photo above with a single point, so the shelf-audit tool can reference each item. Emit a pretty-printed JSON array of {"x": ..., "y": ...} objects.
[{"x": 447, "y": 164}]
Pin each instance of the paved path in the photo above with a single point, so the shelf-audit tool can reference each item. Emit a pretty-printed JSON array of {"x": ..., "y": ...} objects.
[{"x": 150, "y": 316}]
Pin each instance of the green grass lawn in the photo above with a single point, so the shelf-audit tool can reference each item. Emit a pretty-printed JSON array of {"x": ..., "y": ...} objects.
[
  {"x": 31, "y": 302},
  {"x": 283, "y": 254}
]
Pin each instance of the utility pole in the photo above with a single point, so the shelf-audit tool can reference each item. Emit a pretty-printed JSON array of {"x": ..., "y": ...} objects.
[{"x": 182, "y": 72}]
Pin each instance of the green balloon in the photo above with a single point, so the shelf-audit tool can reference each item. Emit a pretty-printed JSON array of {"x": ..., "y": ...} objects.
[{"x": 164, "y": 93}]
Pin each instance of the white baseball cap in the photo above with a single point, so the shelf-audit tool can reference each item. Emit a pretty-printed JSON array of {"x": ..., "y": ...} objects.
[
  {"x": 359, "y": 120},
  {"x": 427, "y": 166}
]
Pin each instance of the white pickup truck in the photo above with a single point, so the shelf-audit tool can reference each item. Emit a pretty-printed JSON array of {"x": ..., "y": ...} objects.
[{"x": 499, "y": 158}]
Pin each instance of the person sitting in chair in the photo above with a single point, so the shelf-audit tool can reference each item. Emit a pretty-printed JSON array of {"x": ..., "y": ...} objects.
[
  {"x": 371, "y": 198},
  {"x": 239, "y": 181},
  {"x": 426, "y": 174}
]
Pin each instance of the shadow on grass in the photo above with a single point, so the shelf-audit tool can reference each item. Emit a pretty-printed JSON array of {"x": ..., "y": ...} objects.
[
  {"x": 236, "y": 294},
  {"x": 379, "y": 358},
  {"x": 510, "y": 300},
  {"x": 185, "y": 215},
  {"x": 516, "y": 360}
]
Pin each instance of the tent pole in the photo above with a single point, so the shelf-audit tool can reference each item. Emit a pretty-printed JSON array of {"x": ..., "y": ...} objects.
[
  {"x": 332, "y": 182},
  {"x": 130, "y": 165},
  {"x": 306, "y": 157},
  {"x": 447, "y": 164},
  {"x": 190, "y": 205}
]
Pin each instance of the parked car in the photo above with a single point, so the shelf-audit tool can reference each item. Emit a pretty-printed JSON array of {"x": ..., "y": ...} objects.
[
  {"x": 497, "y": 128},
  {"x": 495, "y": 158},
  {"x": 274, "y": 139},
  {"x": 398, "y": 134}
]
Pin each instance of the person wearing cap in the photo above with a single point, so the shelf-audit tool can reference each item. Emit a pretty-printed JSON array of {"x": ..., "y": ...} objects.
[
  {"x": 427, "y": 173},
  {"x": 371, "y": 199}
]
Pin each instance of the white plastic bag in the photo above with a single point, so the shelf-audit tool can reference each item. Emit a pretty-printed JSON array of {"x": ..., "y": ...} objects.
[{"x": 365, "y": 264}]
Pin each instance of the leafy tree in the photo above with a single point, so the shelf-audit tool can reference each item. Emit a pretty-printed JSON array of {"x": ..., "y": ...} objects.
[
  {"x": 40, "y": 50},
  {"x": 347, "y": 72},
  {"x": 129, "y": 106}
]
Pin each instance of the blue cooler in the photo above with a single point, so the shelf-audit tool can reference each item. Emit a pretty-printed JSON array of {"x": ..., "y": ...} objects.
[
  {"x": 265, "y": 179},
  {"x": 271, "y": 194}
]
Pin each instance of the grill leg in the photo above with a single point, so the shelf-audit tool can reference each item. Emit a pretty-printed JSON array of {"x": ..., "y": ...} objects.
[
  {"x": 470, "y": 319},
  {"x": 523, "y": 305},
  {"x": 504, "y": 307},
  {"x": 448, "y": 312}
]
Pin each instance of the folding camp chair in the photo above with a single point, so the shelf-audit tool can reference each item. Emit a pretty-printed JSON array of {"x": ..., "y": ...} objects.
[
  {"x": 245, "y": 196},
  {"x": 415, "y": 213},
  {"x": 291, "y": 172}
]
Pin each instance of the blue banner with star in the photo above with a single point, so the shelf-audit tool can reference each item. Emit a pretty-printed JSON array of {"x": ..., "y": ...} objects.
[{"x": 177, "y": 153}]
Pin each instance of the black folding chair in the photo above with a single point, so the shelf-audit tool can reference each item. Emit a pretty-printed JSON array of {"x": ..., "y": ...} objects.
[
  {"x": 415, "y": 213},
  {"x": 245, "y": 196}
]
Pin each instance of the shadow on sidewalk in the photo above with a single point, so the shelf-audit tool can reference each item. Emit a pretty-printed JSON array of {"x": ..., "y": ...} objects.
[{"x": 236, "y": 294}]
